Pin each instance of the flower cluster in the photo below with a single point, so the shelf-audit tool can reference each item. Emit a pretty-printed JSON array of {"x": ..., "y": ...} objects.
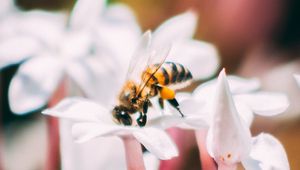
[{"x": 93, "y": 48}]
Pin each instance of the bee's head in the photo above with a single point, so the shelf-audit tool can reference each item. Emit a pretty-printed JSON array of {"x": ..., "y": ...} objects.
[{"x": 121, "y": 115}]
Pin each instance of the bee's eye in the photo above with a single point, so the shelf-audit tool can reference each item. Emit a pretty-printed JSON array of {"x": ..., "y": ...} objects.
[
  {"x": 126, "y": 120},
  {"x": 122, "y": 117}
]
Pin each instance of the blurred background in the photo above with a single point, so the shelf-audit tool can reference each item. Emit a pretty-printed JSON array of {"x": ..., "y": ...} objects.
[{"x": 254, "y": 38}]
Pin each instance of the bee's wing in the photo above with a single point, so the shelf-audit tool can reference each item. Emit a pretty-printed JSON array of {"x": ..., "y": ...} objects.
[
  {"x": 144, "y": 56},
  {"x": 139, "y": 60},
  {"x": 158, "y": 56}
]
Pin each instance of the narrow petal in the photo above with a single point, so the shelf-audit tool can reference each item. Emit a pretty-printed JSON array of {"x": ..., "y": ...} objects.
[
  {"x": 164, "y": 121},
  {"x": 26, "y": 23},
  {"x": 151, "y": 161},
  {"x": 34, "y": 84},
  {"x": 237, "y": 85},
  {"x": 244, "y": 112},
  {"x": 199, "y": 57},
  {"x": 75, "y": 44},
  {"x": 120, "y": 14},
  {"x": 267, "y": 153},
  {"x": 86, "y": 13},
  {"x": 205, "y": 96},
  {"x": 27, "y": 47},
  {"x": 229, "y": 138},
  {"x": 157, "y": 142},
  {"x": 95, "y": 154},
  {"x": 180, "y": 96},
  {"x": 243, "y": 85},
  {"x": 80, "y": 109},
  {"x": 117, "y": 28},
  {"x": 297, "y": 77},
  {"x": 180, "y": 27},
  {"x": 205, "y": 92},
  {"x": 83, "y": 132},
  {"x": 196, "y": 115},
  {"x": 102, "y": 71},
  {"x": 265, "y": 103}
]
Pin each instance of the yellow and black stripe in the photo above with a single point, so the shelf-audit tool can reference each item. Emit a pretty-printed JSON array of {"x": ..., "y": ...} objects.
[{"x": 169, "y": 73}]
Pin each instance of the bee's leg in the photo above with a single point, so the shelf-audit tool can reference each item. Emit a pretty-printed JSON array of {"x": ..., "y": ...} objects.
[
  {"x": 122, "y": 117},
  {"x": 169, "y": 94},
  {"x": 161, "y": 103},
  {"x": 175, "y": 104},
  {"x": 166, "y": 92},
  {"x": 142, "y": 119},
  {"x": 146, "y": 105}
]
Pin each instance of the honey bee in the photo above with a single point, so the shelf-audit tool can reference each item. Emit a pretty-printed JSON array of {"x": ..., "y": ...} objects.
[{"x": 148, "y": 76}]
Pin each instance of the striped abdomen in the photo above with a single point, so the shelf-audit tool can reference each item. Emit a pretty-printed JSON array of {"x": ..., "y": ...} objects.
[{"x": 170, "y": 74}]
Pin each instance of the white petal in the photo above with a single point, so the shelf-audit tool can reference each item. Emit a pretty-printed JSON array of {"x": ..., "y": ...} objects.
[
  {"x": 102, "y": 71},
  {"x": 50, "y": 26},
  {"x": 180, "y": 96},
  {"x": 237, "y": 85},
  {"x": 200, "y": 58},
  {"x": 80, "y": 109},
  {"x": 83, "y": 132},
  {"x": 205, "y": 92},
  {"x": 243, "y": 85},
  {"x": 120, "y": 13},
  {"x": 297, "y": 77},
  {"x": 244, "y": 112},
  {"x": 75, "y": 44},
  {"x": 157, "y": 142},
  {"x": 267, "y": 153},
  {"x": 180, "y": 27},
  {"x": 151, "y": 161},
  {"x": 86, "y": 13},
  {"x": 119, "y": 33},
  {"x": 34, "y": 84},
  {"x": 164, "y": 121},
  {"x": 195, "y": 113},
  {"x": 229, "y": 138},
  {"x": 265, "y": 103},
  {"x": 16, "y": 49},
  {"x": 95, "y": 154}
]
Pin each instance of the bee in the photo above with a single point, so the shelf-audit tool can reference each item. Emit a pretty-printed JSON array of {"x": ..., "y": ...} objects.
[{"x": 149, "y": 76}]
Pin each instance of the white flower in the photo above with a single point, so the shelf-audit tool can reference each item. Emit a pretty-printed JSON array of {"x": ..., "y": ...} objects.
[
  {"x": 74, "y": 53},
  {"x": 297, "y": 78},
  {"x": 200, "y": 57},
  {"x": 229, "y": 139},
  {"x": 26, "y": 34},
  {"x": 102, "y": 126},
  {"x": 266, "y": 153},
  {"x": 247, "y": 96},
  {"x": 248, "y": 100},
  {"x": 94, "y": 120}
]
